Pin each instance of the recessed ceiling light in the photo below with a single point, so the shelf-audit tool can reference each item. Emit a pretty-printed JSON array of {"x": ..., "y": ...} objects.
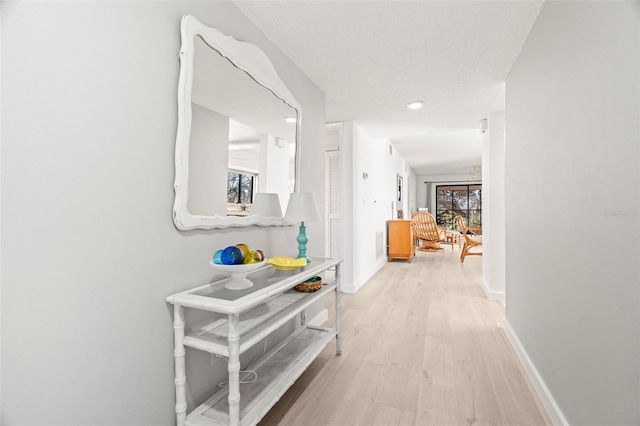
[
  {"x": 415, "y": 104},
  {"x": 290, "y": 119}
]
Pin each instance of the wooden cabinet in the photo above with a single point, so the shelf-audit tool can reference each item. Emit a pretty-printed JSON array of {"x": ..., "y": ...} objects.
[
  {"x": 400, "y": 239},
  {"x": 253, "y": 314}
]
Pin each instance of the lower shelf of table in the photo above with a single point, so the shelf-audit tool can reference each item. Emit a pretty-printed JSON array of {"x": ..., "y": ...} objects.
[
  {"x": 254, "y": 324},
  {"x": 276, "y": 372}
]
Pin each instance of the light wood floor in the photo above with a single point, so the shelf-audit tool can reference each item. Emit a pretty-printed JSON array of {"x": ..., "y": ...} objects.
[{"x": 421, "y": 346}]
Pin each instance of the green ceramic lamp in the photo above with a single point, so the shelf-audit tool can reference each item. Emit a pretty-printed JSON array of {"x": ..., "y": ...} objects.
[{"x": 302, "y": 208}]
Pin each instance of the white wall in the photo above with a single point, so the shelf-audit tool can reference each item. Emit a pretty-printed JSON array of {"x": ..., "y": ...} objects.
[
  {"x": 1, "y": 274},
  {"x": 344, "y": 141},
  {"x": 368, "y": 203},
  {"x": 493, "y": 208},
  {"x": 274, "y": 169},
  {"x": 209, "y": 138},
  {"x": 572, "y": 202},
  {"x": 412, "y": 193},
  {"x": 89, "y": 249}
]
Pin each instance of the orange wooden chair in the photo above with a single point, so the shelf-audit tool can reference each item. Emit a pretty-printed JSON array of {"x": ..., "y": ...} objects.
[
  {"x": 470, "y": 241},
  {"x": 426, "y": 230}
]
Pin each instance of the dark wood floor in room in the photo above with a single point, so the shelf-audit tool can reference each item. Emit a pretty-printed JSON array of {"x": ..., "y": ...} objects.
[{"x": 422, "y": 345}]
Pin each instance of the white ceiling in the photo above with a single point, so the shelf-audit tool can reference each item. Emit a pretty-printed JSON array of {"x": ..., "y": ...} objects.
[{"x": 373, "y": 57}]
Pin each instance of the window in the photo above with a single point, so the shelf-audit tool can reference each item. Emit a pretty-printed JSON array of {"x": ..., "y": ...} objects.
[
  {"x": 240, "y": 187},
  {"x": 453, "y": 200}
]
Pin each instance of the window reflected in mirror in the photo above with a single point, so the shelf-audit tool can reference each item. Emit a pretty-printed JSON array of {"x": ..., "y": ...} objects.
[{"x": 240, "y": 190}]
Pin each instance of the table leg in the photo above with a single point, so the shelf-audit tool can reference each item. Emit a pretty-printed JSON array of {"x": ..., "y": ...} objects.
[
  {"x": 234, "y": 370},
  {"x": 338, "y": 311},
  {"x": 180, "y": 371}
]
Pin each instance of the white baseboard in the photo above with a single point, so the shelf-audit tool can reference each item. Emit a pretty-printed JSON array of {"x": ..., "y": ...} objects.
[
  {"x": 492, "y": 295},
  {"x": 549, "y": 403},
  {"x": 365, "y": 277},
  {"x": 319, "y": 319},
  {"x": 350, "y": 289}
]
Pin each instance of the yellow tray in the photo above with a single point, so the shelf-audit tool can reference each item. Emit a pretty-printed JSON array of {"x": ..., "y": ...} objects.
[{"x": 285, "y": 263}]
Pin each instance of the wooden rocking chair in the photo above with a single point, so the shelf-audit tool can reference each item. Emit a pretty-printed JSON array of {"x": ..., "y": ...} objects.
[
  {"x": 469, "y": 240},
  {"x": 426, "y": 230}
]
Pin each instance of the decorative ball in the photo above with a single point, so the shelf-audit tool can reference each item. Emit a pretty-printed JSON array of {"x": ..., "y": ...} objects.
[
  {"x": 246, "y": 252},
  {"x": 217, "y": 257},
  {"x": 232, "y": 255},
  {"x": 237, "y": 255},
  {"x": 253, "y": 257}
]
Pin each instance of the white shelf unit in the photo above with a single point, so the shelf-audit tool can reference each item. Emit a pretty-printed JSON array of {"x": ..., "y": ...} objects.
[{"x": 253, "y": 314}]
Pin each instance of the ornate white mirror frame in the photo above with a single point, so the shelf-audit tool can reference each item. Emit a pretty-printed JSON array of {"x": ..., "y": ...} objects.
[{"x": 255, "y": 63}]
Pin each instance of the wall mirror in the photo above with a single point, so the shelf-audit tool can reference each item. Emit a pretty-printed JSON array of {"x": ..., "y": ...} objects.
[{"x": 238, "y": 131}]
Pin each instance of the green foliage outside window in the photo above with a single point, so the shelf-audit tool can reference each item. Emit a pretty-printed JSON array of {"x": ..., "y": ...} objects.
[
  {"x": 453, "y": 200},
  {"x": 240, "y": 188}
]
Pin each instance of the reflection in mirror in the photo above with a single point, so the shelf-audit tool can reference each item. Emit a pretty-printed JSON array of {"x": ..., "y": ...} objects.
[{"x": 233, "y": 137}]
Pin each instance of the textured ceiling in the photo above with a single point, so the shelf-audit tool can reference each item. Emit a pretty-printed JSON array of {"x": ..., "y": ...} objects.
[{"x": 372, "y": 57}]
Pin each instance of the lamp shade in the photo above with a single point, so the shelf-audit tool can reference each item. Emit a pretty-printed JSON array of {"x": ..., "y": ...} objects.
[
  {"x": 302, "y": 207},
  {"x": 266, "y": 205}
]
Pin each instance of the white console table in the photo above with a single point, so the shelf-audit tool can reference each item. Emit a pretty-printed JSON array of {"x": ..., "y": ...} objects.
[{"x": 253, "y": 314}]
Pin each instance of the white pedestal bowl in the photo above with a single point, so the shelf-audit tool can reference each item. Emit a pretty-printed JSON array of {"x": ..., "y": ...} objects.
[{"x": 238, "y": 274}]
